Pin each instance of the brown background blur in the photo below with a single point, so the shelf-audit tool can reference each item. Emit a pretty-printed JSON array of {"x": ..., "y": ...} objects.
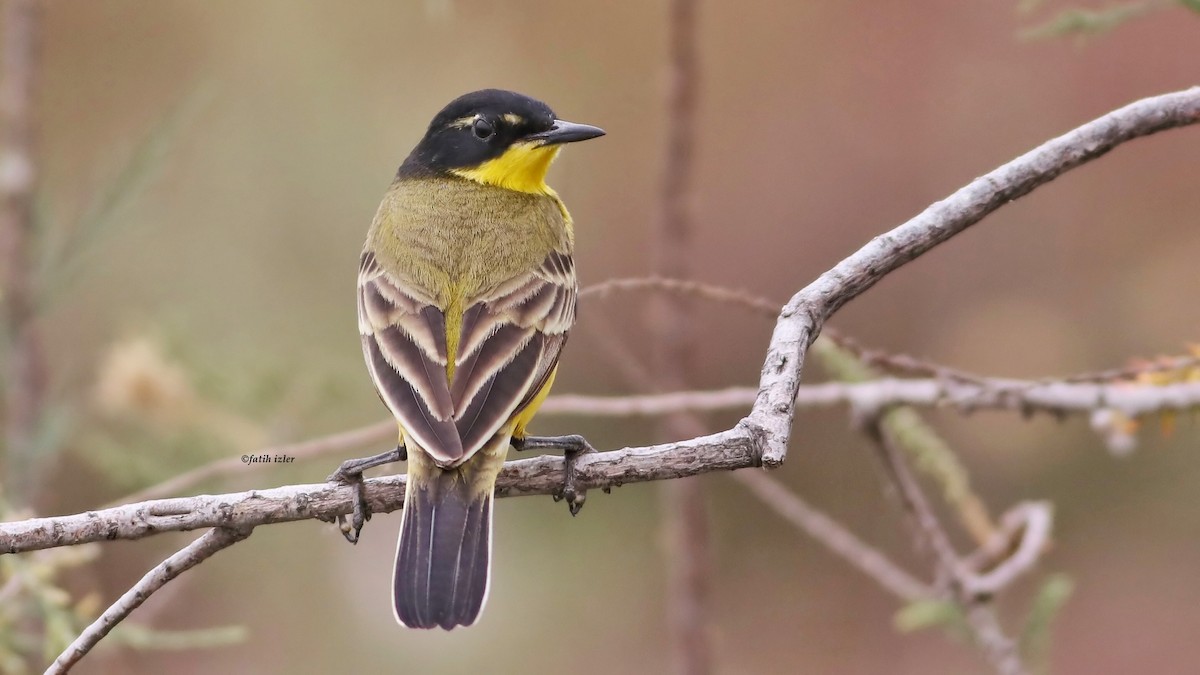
[{"x": 821, "y": 124}]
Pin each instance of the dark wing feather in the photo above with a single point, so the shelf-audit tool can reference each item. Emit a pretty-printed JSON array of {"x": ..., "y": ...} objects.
[
  {"x": 404, "y": 342},
  {"x": 510, "y": 342},
  {"x": 510, "y": 346},
  {"x": 497, "y": 397}
]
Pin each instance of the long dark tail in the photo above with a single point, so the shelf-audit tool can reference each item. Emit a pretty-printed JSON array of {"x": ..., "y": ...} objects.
[{"x": 442, "y": 560}]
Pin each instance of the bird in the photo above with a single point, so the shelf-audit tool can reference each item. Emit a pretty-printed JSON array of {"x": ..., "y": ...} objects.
[{"x": 466, "y": 295}]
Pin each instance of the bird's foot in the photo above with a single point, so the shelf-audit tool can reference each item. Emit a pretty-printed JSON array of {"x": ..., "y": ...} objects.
[
  {"x": 351, "y": 473},
  {"x": 572, "y": 446}
]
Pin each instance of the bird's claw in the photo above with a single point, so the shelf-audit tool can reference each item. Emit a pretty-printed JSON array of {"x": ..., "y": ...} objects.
[
  {"x": 362, "y": 510},
  {"x": 572, "y": 446},
  {"x": 351, "y": 473},
  {"x": 573, "y": 497}
]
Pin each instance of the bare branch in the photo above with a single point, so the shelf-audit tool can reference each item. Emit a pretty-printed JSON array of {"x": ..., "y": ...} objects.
[
  {"x": 1021, "y": 539},
  {"x": 696, "y": 289},
  {"x": 191, "y": 555},
  {"x": 834, "y": 536},
  {"x": 1160, "y": 365},
  {"x": 1000, "y": 650},
  {"x": 914, "y": 500},
  {"x": 324, "y": 445},
  {"x": 651, "y": 405},
  {"x": 1016, "y": 549},
  {"x": 1024, "y": 396},
  {"x": 543, "y": 475},
  {"x": 805, "y": 314},
  {"x": 902, "y": 364}
]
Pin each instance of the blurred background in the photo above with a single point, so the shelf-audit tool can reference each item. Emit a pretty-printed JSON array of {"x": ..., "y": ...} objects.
[{"x": 214, "y": 166}]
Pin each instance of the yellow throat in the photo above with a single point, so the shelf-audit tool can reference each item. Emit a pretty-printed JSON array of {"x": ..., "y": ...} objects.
[{"x": 522, "y": 168}]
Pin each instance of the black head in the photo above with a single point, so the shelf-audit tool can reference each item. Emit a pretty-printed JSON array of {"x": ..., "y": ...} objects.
[{"x": 481, "y": 126}]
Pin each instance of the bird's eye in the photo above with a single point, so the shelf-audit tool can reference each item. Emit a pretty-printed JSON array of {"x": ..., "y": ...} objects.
[{"x": 483, "y": 129}]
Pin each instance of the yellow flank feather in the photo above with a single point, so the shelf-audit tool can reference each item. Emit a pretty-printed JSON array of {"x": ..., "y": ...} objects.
[
  {"x": 523, "y": 418},
  {"x": 522, "y": 168}
]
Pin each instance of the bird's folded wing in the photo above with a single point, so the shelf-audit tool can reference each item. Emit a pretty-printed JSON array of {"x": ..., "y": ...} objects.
[{"x": 509, "y": 344}]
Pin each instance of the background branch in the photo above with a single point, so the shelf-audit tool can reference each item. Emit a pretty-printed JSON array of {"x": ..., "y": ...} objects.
[
  {"x": 1000, "y": 650},
  {"x": 1023, "y": 396},
  {"x": 834, "y": 536},
  {"x": 25, "y": 369},
  {"x": 316, "y": 447},
  {"x": 689, "y": 287},
  {"x": 685, "y": 521}
]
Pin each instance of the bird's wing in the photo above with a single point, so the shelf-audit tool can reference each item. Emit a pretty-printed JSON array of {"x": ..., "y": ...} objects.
[{"x": 509, "y": 343}]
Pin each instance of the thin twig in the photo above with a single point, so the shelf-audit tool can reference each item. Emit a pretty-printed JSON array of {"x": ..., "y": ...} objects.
[
  {"x": 1021, "y": 539},
  {"x": 999, "y": 649},
  {"x": 834, "y": 536},
  {"x": 316, "y": 447},
  {"x": 914, "y": 500},
  {"x": 903, "y": 364},
  {"x": 900, "y": 363},
  {"x": 695, "y": 289},
  {"x": 1160, "y": 365},
  {"x": 191, "y": 555},
  {"x": 1022, "y": 396}
]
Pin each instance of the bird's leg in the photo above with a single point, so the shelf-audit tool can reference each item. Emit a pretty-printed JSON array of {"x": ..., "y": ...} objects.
[
  {"x": 572, "y": 446},
  {"x": 350, "y": 472}
]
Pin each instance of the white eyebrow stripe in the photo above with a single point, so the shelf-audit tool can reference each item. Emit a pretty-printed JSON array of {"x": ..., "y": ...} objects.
[
  {"x": 463, "y": 122},
  {"x": 513, "y": 119}
]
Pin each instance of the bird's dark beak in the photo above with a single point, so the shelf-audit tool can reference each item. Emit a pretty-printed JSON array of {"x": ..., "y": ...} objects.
[{"x": 566, "y": 132}]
